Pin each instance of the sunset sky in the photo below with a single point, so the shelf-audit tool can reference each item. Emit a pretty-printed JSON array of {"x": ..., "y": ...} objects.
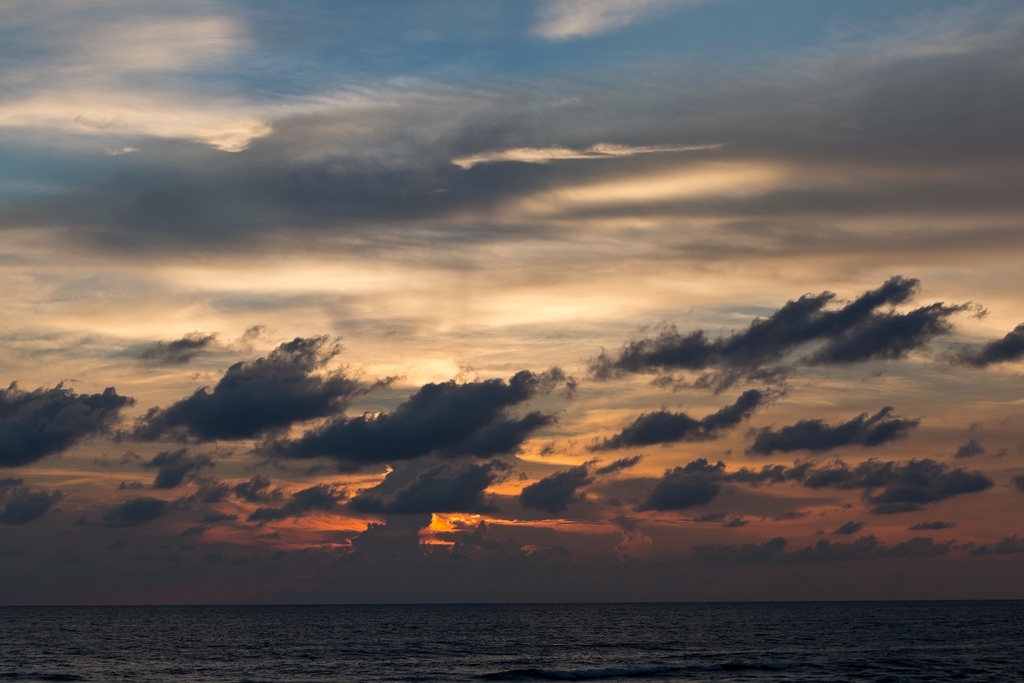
[{"x": 511, "y": 300}]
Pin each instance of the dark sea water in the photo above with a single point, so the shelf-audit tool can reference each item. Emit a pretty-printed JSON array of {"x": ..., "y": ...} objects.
[{"x": 880, "y": 641}]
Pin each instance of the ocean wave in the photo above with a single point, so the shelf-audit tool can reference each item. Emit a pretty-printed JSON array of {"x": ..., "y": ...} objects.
[
  {"x": 770, "y": 666},
  {"x": 580, "y": 674},
  {"x": 626, "y": 672}
]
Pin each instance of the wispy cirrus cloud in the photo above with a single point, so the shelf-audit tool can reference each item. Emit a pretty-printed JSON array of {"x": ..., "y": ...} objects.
[
  {"x": 542, "y": 155},
  {"x": 79, "y": 71},
  {"x": 563, "y": 19}
]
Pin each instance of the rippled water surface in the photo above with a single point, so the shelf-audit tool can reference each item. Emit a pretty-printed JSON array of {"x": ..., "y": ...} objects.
[{"x": 883, "y": 641}]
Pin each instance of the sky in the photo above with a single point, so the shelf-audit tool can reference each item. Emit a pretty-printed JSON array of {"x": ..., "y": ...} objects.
[{"x": 511, "y": 300}]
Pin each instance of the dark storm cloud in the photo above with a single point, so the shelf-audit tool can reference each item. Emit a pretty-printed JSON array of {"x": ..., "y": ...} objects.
[
  {"x": 554, "y": 493},
  {"x": 22, "y": 505},
  {"x": 664, "y": 426},
  {"x": 319, "y": 498},
  {"x": 1018, "y": 482},
  {"x": 1006, "y": 350},
  {"x": 179, "y": 351},
  {"x": 445, "y": 488},
  {"x": 698, "y": 483},
  {"x": 448, "y": 419},
  {"x": 931, "y": 526},
  {"x": 815, "y": 435},
  {"x": 177, "y": 467},
  {"x": 849, "y": 528},
  {"x": 135, "y": 511},
  {"x": 865, "y": 329},
  {"x": 619, "y": 465},
  {"x": 969, "y": 450},
  {"x": 42, "y": 422},
  {"x": 257, "y": 396}
]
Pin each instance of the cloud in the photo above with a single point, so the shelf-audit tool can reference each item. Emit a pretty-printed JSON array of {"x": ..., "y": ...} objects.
[
  {"x": 815, "y": 435},
  {"x": 888, "y": 336},
  {"x": 254, "y": 397},
  {"x": 894, "y": 487},
  {"x": 865, "y": 329},
  {"x": 215, "y": 517},
  {"x": 750, "y": 553},
  {"x": 664, "y": 426},
  {"x": 210, "y": 491},
  {"x": 121, "y": 73},
  {"x": 821, "y": 148},
  {"x": 177, "y": 467},
  {"x": 256, "y": 490},
  {"x": 1010, "y": 545},
  {"x": 135, "y": 512},
  {"x": 562, "y": 19},
  {"x": 791, "y": 515},
  {"x": 868, "y": 548},
  {"x": 849, "y": 528},
  {"x": 35, "y": 424},
  {"x": 179, "y": 351},
  {"x": 554, "y": 493},
  {"x": 1018, "y": 482},
  {"x": 891, "y": 487},
  {"x": 319, "y": 498},
  {"x": 445, "y": 488},
  {"x": 731, "y": 522},
  {"x": 619, "y": 465},
  {"x": 535, "y": 155},
  {"x": 710, "y": 517},
  {"x": 22, "y": 505},
  {"x": 822, "y": 552},
  {"x": 931, "y": 526},
  {"x": 447, "y": 419},
  {"x": 557, "y": 491},
  {"x": 698, "y": 483},
  {"x": 969, "y": 449},
  {"x": 1006, "y": 350}
]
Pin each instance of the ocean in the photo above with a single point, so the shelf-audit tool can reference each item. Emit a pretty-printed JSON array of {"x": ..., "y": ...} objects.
[{"x": 837, "y": 641}]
